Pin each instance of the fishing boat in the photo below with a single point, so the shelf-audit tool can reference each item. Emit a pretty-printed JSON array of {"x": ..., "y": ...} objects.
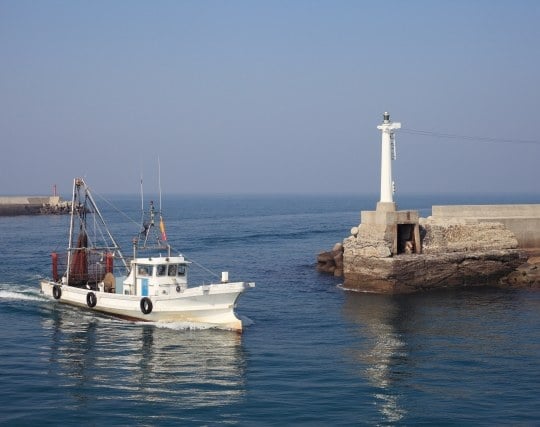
[{"x": 151, "y": 286}]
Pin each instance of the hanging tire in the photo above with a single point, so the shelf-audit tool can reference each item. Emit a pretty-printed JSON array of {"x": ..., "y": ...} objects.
[
  {"x": 146, "y": 305},
  {"x": 91, "y": 299},
  {"x": 56, "y": 291}
]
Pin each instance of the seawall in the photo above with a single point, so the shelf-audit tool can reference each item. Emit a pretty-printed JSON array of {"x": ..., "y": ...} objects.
[
  {"x": 522, "y": 220},
  {"x": 32, "y": 205},
  {"x": 395, "y": 251}
]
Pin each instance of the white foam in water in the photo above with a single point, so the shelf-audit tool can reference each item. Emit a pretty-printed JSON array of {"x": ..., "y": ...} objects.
[
  {"x": 24, "y": 294},
  {"x": 193, "y": 326},
  {"x": 179, "y": 326},
  {"x": 246, "y": 321}
]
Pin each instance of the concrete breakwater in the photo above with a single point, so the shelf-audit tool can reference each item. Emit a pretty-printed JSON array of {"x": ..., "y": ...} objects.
[
  {"x": 522, "y": 220},
  {"x": 397, "y": 252},
  {"x": 32, "y": 205}
]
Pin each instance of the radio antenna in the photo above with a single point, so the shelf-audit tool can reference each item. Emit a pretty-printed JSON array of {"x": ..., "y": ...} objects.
[
  {"x": 159, "y": 182},
  {"x": 142, "y": 199}
]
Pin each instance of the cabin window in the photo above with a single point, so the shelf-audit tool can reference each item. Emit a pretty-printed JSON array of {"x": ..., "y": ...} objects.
[
  {"x": 175, "y": 269},
  {"x": 145, "y": 270},
  {"x": 161, "y": 270}
]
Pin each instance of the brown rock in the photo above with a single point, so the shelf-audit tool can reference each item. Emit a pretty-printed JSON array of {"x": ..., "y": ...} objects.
[
  {"x": 527, "y": 275},
  {"x": 411, "y": 273},
  {"x": 331, "y": 262}
]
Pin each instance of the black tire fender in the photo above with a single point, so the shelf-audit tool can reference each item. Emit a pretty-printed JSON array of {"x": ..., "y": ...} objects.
[
  {"x": 146, "y": 305},
  {"x": 56, "y": 291},
  {"x": 91, "y": 299}
]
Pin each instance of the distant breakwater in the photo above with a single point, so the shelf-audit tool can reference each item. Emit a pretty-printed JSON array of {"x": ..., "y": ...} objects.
[{"x": 33, "y": 205}]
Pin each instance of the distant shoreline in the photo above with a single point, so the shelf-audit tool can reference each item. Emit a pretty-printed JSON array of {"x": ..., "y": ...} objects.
[{"x": 33, "y": 205}]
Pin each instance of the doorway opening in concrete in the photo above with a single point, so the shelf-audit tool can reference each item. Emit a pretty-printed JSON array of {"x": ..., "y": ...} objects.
[{"x": 405, "y": 239}]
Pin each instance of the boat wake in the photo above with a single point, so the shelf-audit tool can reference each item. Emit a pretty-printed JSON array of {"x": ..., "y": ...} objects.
[
  {"x": 21, "y": 294},
  {"x": 181, "y": 326},
  {"x": 194, "y": 326},
  {"x": 246, "y": 321}
]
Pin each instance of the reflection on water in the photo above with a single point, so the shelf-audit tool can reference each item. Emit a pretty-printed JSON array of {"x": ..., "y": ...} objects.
[
  {"x": 382, "y": 347},
  {"x": 97, "y": 356},
  {"x": 455, "y": 343}
]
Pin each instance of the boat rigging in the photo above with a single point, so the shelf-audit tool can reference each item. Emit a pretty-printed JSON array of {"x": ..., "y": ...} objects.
[{"x": 149, "y": 288}]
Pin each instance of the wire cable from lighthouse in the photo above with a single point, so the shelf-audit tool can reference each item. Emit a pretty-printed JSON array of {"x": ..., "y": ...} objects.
[{"x": 475, "y": 139}]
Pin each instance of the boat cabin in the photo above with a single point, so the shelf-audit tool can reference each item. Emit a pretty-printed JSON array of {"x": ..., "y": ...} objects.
[{"x": 156, "y": 276}]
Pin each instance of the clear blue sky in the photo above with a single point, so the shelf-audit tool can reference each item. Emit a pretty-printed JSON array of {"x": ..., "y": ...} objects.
[{"x": 268, "y": 96}]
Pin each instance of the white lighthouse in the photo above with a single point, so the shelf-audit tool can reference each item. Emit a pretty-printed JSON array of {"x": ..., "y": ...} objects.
[
  {"x": 387, "y": 128},
  {"x": 397, "y": 232}
]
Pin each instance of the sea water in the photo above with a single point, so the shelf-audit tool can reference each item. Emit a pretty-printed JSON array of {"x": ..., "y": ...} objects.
[{"x": 311, "y": 354}]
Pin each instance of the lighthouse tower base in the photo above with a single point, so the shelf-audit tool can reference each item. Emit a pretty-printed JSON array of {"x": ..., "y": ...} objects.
[
  {"x": 386, "y": 227},
  {"x": 386, "y": 207}
]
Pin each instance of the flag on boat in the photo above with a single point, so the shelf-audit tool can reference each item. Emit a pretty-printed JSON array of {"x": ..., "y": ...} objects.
[{"x": 162, "y": 228}]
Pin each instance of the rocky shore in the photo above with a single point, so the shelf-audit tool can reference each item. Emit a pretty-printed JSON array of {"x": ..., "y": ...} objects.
[
  {"x": 455, "y": 253},
  {"x": 527, "y": 275},
  {"x": 331, "y": 262}
]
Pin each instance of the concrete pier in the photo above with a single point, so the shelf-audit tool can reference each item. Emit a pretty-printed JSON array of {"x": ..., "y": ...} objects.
[
  {"x": 32, "y": 205},
  {"x": 523, "y": 220},
  {"x": 457, "y": 246}
]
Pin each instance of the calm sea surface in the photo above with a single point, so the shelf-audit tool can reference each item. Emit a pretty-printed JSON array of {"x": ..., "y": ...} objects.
[{"x": 312, "y": 354}]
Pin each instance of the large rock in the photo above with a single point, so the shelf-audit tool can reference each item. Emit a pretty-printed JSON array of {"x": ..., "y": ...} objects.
[
  {"x": 455, "y": 253},
  {"x": 331, "y": 262},
  {"x": 527, "y": 275},
  {"x": 411, "y": 273}
]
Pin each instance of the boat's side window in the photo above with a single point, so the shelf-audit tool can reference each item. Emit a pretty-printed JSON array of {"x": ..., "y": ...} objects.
[
  {"x": 145, "y": 270},
  {"x": 161, "y": 270},
  {"x": 172, "y": 270},
  {"x": 181, "y": 270}
]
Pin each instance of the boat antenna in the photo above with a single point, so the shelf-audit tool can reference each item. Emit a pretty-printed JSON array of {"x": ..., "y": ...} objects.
[
  {"x": 159, "y": 183},
  {"x": 145, "y": 226},
  {"x": 161, "y": 222},
  {"x": 142, "y": 197},
  {"x": 141, "y": 190}
]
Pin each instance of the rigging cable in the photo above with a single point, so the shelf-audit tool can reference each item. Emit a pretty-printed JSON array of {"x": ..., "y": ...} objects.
[
  {"x": 113, "y": 206},
  {"x": 477, "y": 139},
  {"x": 203, "y": 268}
]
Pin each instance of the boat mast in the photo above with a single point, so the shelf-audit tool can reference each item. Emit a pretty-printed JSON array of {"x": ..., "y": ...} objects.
[{"x": 74, "y": 198}]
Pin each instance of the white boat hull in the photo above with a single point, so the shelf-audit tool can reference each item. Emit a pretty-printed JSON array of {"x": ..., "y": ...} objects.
[{"x": 209, "y": 304}]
